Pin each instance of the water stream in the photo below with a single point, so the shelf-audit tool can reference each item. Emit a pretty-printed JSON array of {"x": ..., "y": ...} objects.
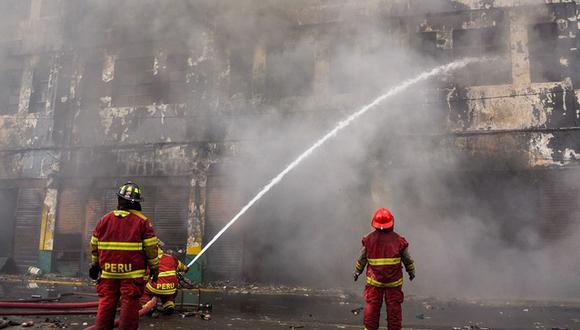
[{"x": 341, "y": 125}]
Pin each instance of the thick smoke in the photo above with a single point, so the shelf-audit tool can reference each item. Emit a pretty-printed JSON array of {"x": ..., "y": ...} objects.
[{"x": 473, "y": 232}]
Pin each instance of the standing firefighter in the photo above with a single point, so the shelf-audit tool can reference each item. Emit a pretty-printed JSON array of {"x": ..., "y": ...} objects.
[
  {"x": 384, "y": 250},
  {"x": 165, "y": 287},
  {"x": 123, "y": 245}
]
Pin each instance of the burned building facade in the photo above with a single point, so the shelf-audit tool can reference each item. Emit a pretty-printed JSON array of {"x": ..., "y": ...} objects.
[{"x": 94, "y": 93}]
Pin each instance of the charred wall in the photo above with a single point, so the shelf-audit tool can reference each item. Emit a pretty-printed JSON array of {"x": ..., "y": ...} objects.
[{"x": 94, "y": 94}]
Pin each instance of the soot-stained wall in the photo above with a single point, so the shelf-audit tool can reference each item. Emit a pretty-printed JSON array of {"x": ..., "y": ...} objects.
[{"x": 96, "y": 92}]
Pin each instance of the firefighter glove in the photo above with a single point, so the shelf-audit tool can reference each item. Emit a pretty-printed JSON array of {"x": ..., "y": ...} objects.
[
  {"x": 411, "y": 275},
  {"x": 356, "y": 275},
  {"x": 95, "y": 271},
  {"x": 154, "y": 273}
]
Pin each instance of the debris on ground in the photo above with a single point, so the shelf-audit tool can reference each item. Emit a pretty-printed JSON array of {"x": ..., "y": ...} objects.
[
  {"x": 204, "y": 315},
  {"x": 27, "y": 324},
  {"x": 357, "y": 311},
  {"x": 5, "y": 323}
]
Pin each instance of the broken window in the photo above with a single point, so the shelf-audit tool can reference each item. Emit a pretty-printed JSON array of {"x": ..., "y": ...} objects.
[
  {"x": 174, "y": 88},
  {"x": 92, "y": 81},
  {"x": 289, "y": 70},
  {"x": 40, "y": 80},
  {"x": 543, "y": 45},
  {"x": 241, "y": 63},
  {"x": 135, "y": 82},
  {"x": 10, "y": 82},
  {"x": 425, "y": 43},
  {"x": 486, "y": 42}
]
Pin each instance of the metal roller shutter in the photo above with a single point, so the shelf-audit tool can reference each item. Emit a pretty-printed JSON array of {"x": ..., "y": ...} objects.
[
  {"x": 27, "y": 227},
  {"x": 94, "y": 210},
  {"x": 225, "y": 258},
  {"x": 560, "y": 202},
  {"x": 170, "y": 217},
  {"x": 68, "y": 241},
  {"x": 8, "y": 198}
]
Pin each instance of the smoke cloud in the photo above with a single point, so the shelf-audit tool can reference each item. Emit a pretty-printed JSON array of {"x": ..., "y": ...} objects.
[{"x": 473, "y": 230}]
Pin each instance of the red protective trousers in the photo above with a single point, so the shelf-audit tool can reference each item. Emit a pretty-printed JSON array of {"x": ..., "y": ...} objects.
[
  {"x": 374, "y": 300},
  {"x": 168, "y": 300},
  {"x": 128, "y": 291}
]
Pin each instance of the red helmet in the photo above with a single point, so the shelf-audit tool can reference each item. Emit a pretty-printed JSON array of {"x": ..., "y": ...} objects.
[{"x": 383, "y": 219}]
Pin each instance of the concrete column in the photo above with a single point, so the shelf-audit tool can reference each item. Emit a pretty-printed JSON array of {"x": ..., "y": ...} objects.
[
  {"x": 47, "y": 229},
  {"x": 196, "y": 223},
  {"x": 259, "y": 70},
  {"x": 519, "y": 49},
  {"x": 321, "y": 67}
]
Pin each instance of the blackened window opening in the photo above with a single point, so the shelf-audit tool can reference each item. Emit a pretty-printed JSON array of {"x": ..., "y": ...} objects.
[
  {"x": 543, "y": 48},
  {"x": 40, "y": 80},
  {"x": 289, "y": 70},
  {"x": 425, "y": 43},
  {"x": 174, "y": 88},
  {"x": 135, "y": 83},
  {"x": 479, "y": 43},
  {"x": 10, "y": 82}
]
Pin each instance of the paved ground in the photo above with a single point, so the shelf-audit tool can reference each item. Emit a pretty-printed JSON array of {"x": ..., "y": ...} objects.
[{"x": 295, "y": 310}]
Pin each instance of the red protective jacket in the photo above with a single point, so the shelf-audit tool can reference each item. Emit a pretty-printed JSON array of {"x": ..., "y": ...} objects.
[
  {"x": 384, "y": 250},
  {"x": 122, "y": 243},
  {"x": 167, "y": 280}
]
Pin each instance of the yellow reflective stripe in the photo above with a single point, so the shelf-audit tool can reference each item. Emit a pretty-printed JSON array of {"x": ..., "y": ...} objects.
[
  {"x": 121, "y": 246},
  {"x": 139, "y": 214},
  {"x": 162, "y": 292},
  {"x": 169, "y": 303},
  {"x": 94, "y": 240},
  {"x": 94, "y": 258},
  {"x": 373, "y": 282},
  {"x": 134, "y": 274},
  {"x": 150, "y": 241},
  {"x": 359, "y": 266},
  {"x": 411, "y": 267},
  {"x": 153, "y": 262},
  {"x": 384, "y": 261},
  {"x": 121, "y": 213},
  {"x": 168, "y": 273}
]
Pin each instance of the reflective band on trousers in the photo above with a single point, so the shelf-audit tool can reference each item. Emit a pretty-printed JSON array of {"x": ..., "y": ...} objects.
[
  {"x": 117, "y": 276},
  {"x": 168, "y": 273},
  {"x": 169, "y": 303},
  {"x": 121, "y": 246},
  {"x": 384, "y": 261},
  {"x": 373, "y": 282}
]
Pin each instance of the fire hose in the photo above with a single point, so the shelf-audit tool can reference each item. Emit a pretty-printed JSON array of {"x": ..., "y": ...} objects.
[
  {"x": 48, "y": 305},
  {"x": 58, "y": 297},
  {"x": 50, "y": 312}
]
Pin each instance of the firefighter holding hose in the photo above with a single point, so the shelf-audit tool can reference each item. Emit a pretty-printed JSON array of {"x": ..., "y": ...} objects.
[
  {"x": 122, "y": 246},
  {"x": 383, "y": 252},
  {"x": 165, "y": 286}
]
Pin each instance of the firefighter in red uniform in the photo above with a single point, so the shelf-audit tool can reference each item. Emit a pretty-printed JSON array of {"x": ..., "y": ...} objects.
[
  {"x": 384, "y": 250},
  {"x": 165, "y": 288},
  {"x": 123, "y": 245}
]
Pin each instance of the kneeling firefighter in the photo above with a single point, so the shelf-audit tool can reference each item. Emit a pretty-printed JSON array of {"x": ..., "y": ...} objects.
[
  {"x": 384, "y": 250},
  {"x": 165, "y": 286},
  {"x": 123, "y": 246}
]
